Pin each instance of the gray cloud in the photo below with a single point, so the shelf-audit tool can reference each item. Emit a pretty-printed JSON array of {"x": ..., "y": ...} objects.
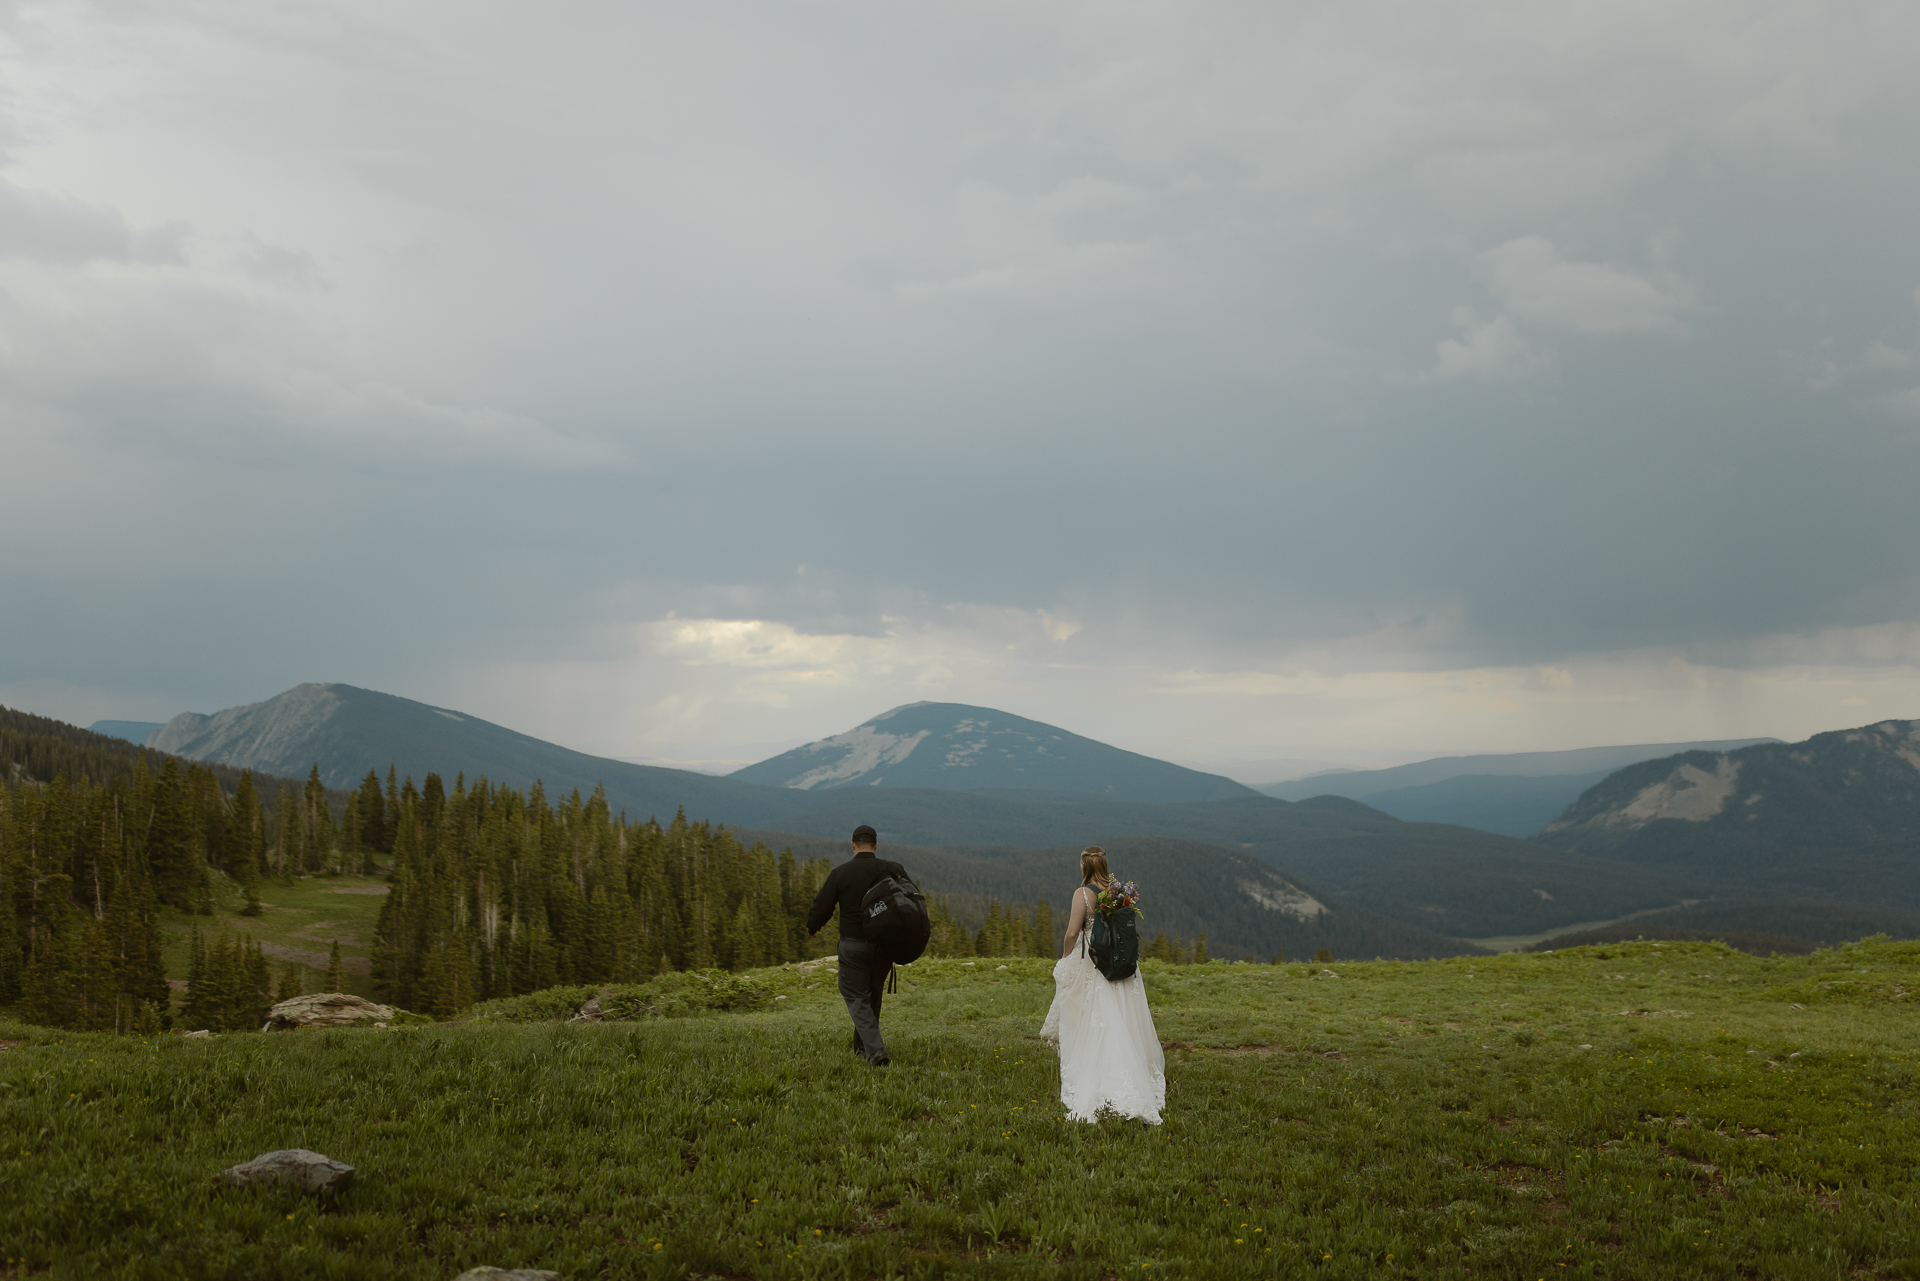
[
  {"x": 1410, "y": 337},
  {"x": 43, "y": 227}
]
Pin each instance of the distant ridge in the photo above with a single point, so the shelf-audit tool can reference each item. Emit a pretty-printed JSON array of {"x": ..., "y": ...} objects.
[
  {"x": 1837, "y": 817},
  {"x": 347, "y": 731},
  {"x": 959, "y": 747},
  {"x": 131, "y": 731},
  {"x": 1361, "y": 784},
  {"x": 40, "y": 749},
  {"x": 1514, "y": 794}
]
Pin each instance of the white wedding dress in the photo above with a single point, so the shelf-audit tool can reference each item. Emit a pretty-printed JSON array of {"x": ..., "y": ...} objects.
[{"x": 1110, "y": 1057}]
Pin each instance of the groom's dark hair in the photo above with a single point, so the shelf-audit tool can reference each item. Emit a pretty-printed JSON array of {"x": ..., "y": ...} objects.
[{"x": 864, "y": 835}]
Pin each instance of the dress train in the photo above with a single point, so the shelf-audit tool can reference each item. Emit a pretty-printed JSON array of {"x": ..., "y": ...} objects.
[{"x": 1110, "y": 1056}]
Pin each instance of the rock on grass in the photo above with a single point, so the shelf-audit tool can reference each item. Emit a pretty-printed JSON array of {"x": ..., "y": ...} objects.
[
  {"x": 297, "y": 1166},
  {"x": 323, "y": 1009}
]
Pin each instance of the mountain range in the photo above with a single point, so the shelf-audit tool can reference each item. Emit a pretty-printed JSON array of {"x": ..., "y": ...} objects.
[
  {"x": 346, "y": 731},
  {"x": 1449, "y": 880},
  {"x": 1830, "y": 820},
  {"x": 1515, "y": 794},
  {"x": 1248, "y": 908}
]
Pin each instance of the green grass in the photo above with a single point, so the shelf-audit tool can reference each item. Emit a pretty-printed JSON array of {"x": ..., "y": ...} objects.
[
  {"x": 1436, "y": 1119},
  {"x": 297, "y": 922}
]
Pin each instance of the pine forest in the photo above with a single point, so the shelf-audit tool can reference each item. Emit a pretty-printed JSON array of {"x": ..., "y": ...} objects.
[{"x": 105, "y": 848}]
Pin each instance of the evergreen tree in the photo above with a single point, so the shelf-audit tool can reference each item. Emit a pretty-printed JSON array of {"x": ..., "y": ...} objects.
[
  {"x": 199, "y": 979},
  {"x": 12, "y": 896},
  {"x": 133, "y": 943},
  {"x": 259, "y": 985},
  {"x": 203, "y": 891},
  {"x": 349, "y": 834},
  {"x": 336, "y": 979},
  {"x": 250, "y": 888},
  {"x": 292, "y": 982},
  {"x": 322, "y": 839},
  {"x": 98, "y": 1006},
  {"x": 47, "y": 995},
  {"x": 392, "y": 808},
  {"x": 248, "y": 829},
  {"x": 169, "y": 844},
  {"x": 290, "y": 851},
  {"x": 1200, "y": 949},
  {"x": 372, "y": 815}
]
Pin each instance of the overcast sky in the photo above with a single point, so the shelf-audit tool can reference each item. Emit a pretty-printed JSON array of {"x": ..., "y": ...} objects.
[{"x": 1234, "y": 382}]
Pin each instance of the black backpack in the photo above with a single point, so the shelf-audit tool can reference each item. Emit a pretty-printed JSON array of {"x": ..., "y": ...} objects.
[
  {"x": 895, "y": 916},
  {"x": 1115, "y": 945}
]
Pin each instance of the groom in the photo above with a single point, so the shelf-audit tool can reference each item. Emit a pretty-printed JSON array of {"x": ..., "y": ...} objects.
[{"x": 862, "y": 969}]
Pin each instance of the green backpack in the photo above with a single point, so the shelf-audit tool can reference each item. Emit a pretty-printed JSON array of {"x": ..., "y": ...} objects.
[{"x": 1115, "y": 944}]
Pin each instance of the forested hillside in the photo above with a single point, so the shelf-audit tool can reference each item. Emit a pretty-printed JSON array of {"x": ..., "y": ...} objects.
[
  {"x": 1239, "y": 905},
  {"x": 494, "y": 892},
  {"x": 97, "y": 836},
  {"x": 40, "y": 749},
  {"x": 1834, "y": 817}
]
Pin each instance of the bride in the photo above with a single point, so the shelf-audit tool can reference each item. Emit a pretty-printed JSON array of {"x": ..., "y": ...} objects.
[{"x": 1110, "y": 1055}]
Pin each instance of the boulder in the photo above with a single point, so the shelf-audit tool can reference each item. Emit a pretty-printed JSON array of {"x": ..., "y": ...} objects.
[
  {"x": 591, "y": 1012},
  {"x": 324, "y": 1009},
  {"x": 507, "y": 1274},
  {"x": 297, "y": 1166}
]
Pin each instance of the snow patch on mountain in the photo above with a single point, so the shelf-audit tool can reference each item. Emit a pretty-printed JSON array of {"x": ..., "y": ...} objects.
[
  {"x": 1689, "y": 794},
  {"x": 1281, "y": 897},
  {"x": 862, "y": 749}
]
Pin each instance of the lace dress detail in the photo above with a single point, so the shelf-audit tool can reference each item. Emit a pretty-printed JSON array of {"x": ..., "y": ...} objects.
[{"x": 1110, "y": 1056}]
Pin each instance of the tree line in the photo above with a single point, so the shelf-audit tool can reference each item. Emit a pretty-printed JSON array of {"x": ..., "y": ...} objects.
[
  {"x": 88, "y": 863},
  {"x": 494, "y": 892}
]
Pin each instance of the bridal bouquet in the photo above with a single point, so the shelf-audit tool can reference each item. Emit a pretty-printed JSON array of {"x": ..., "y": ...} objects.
[{"x": 1119, "y": 897}]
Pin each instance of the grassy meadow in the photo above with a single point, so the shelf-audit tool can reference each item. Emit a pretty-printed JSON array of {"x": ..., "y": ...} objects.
[
  {"x": 1629, "y": 1111},
  {"x": 297, "y": 922}
]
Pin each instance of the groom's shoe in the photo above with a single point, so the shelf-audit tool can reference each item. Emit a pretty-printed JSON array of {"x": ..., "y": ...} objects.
[{"x": 882, "y": 1061}]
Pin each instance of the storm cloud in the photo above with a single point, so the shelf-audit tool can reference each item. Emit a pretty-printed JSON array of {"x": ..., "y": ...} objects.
[{"x": 1250, "y": 379}]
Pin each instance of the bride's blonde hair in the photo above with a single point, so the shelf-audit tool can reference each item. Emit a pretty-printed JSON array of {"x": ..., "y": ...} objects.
[{"x": 1093, "y": 867}]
